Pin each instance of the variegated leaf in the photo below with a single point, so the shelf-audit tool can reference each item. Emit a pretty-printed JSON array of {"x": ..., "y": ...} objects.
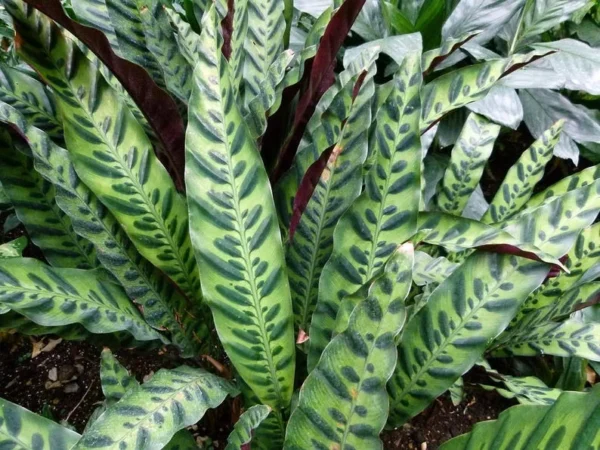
[
  {"x": 338, "y": 186},
  {"x": 431, "y": 270},
  {"x": 114, "y": 378},
  {"x": 14, "y": 248},
  {"x": 517, "y": 187},
  {"x": 57, "y": 297},
  {"x": 111, "y": 153},
  {"x": 21, "y": 429},
  {"x": 451, "y": 331},
  {"x": 570, "y": 183},
  {"x": 241, "y": 436},
  {"x": 469, "y": 157},
  {"x": 149, "y": 415},
  {"x": 35, "y": 205},
  {"x": 385, "y": 215},
  {"x": 354, "y": 369},
  {"x": 234, "y": 232}
]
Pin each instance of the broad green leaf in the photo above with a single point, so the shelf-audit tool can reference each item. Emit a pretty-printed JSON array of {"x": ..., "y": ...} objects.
[
  {"x": 385, "y": 215},
  {"x": 234, "y": 232},
  {"x": 149, "y": 415},
  {"x": 546, "y": 14},
  {"x": 94, "y": 13},
  {"x": 241, "y": 436},
  {"x": 570, "y": 183},
  {"x": 451, "y": 331},
  {"x": 517, "y": 187},
  {"x": 31, "y": 99},
  {"x": 34, "y": 201},
  {"x": 469, "y": 156},
  {"x": 338, "y": 186},
  {"x": 263, "y": 43},
  {"x": 431, "y": 270},
  {"x": 457, "y": 234},
  {"x": 256, "y": 113},
  {"x": 570, "y": 423},
  {"x": 14, "y": 248},
  {"x": 187, "y": 39},
  {"x": 111, "y": 153},
  {"x": 566, "y": 339},
  {"x": 354, "y": 369},
  {"x": 161, "y": 43},
  {"x": 13, "y": 321},
  {"x": 458, "y": 88},
  {"x": 114, "y": 378},
  {"x": 160, "y": 302},
  {"x": 21, "y": 429},
  {"x": 56, "y": 297},
  {"x": 132, "y": 38},
  {"x": 554, "y": 226},
  {"x": 527, "y": 390},
  {"x": 322, "y": 132}
]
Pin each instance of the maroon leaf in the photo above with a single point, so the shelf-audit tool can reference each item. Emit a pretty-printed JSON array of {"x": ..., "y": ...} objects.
[
  {"x": 157, "y": 106},
  {"x": 315, "y": 171},
  {"x": 227, "y": 27},
  {"x": 439, "y": 59},
  {"x": 318, "y": 77}
]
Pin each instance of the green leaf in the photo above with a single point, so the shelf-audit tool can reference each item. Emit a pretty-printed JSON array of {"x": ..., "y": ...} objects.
[
  {"x": 338, "y": 186},
  {"x": 566, "y": 339},
  {"x": 354, "y": 369},
  {"x": 114, "y": 378},
  {"x": 187, "y": 39},
  {"x": 554, "y": 226},
  {"x": 13, "y": 321},
  {"x": 570, "y": 183},
  {"x": 241, "y": 436},
  {"x": 458, "y": 88},
  {"x": 469, "y": 156},
  {"x": 160, "y": 302},
  {"x": 183, "y": 440},
  {"x": 234, "y": 232},
  {"x": 367, "y": 234},
  {"x": 34, "y": 201},
  {"x": 567, "y": 424},
  {"x": 56, "y": 297},
  {"x": 451, "y": 331},
  {"x": 31, "y": 99},
  {"x": 457, "y": 234},
  {"x": 518, "y": 185},
  {"x": 263, "y": 44},
  {"x": 431, "y": 270},
  {"x": 148, "y": 416},
  {"x": 527, "y": 390},
  {"x": 163, "y": 46},
  {"x": 112, "y": 155},
  {"x": 457, "y": 392},
  {"x": 94, "y": 13},
  {"x": 501, "y": 105},
  {"x": 546, "y": 14},
  {"x": 21, "y": 429},
  {"x": 14, "y": 248}
]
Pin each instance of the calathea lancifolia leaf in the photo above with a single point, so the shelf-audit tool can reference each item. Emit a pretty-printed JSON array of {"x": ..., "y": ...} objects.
[
  {"x": 567, "y": 424},
  {"x": 21, "y": 429},
  {"x": 241, "y": 436},
  {"x": 314, "y": 219},
  {"x": 450, "y": 332},
  {"x": 111, "y": 153},
  {"x": 34, "y": 201},
  {"x": 319, "y": 79},
  {"x": 149, "y": 415},
  {"x": 187, "y": 39},
  {"x": 160, "y": 302},
  {"x": 431, "y": 270},
  {"x": 31, "y": 99},
  {"x": 469, "y": 156},
  {"x": 158, "y": 107},
  {"x": 14, "y": 248},
  {"x": 572, "y": 182},
  {"x": 354, "y": 368},
  {"x": 458, "y": 88},
  {"x": 518, "y": 185},
  {"x": 57, "y": 297},
  {"x": 95, "y": 14},
  {"x": 114, "y": 378},
  {"x": 234, "y": 232},
  {"x": 385, "y": 215}
]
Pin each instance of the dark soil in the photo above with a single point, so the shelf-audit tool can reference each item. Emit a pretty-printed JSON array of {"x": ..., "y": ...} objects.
[
  {"x": 443, "y": 421},
  {"x": 25, "y": 380}
]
